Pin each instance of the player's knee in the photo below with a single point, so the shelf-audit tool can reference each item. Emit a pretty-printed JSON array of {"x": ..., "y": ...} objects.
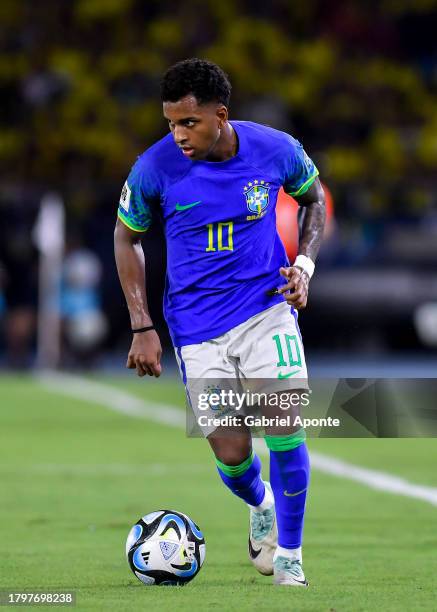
[{"x": 232, "y": 454}]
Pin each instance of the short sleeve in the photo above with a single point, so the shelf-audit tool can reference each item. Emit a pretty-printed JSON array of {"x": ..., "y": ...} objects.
[
  {"x": 134, "y": 208},
  {"x": 301, "y": 171}
]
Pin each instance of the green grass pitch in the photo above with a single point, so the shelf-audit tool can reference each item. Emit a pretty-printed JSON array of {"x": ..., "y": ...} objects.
[{"x": 74, "y": 478}]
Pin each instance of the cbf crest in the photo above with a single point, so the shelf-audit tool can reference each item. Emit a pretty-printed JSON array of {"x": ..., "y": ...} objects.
[{"x": 257, "y": 198}]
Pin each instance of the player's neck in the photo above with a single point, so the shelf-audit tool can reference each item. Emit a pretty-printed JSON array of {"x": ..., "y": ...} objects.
[{"x": 226, "y": 145}]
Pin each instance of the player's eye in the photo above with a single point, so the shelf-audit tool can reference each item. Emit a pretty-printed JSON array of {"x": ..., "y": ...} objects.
[
  {"x": 189, "y": 123},
  {"x": 170, "y": 124}
]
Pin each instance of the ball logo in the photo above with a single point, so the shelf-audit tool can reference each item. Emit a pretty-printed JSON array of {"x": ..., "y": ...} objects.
[
  {"x": 257, "y": 198},
  {"x": 168, "y": 549}
]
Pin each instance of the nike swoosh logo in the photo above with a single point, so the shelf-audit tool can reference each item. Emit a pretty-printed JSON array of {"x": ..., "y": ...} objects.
[
  {"x": 280, "y": 375},
  {"x": 293, "y": 494},
  {"x": 252, "y": 552},
  {"x": 187, "y": 206}
]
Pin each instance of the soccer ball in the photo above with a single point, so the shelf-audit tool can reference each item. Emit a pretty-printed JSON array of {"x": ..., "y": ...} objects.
[{"x": 165, "y": 547}]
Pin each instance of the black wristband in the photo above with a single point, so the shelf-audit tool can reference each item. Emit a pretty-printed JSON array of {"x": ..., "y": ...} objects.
[{"x": 143, "y": 329}]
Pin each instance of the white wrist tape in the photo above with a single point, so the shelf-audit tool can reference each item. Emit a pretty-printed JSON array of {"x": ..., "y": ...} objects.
[{"x": 307, "y": 264}]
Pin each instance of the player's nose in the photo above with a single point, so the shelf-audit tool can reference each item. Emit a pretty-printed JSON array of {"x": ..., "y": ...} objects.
[{"x": 180, "y": 135}]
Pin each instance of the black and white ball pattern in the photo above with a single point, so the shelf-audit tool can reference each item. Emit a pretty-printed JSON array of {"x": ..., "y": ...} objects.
[{"x": 165, "y": 548}]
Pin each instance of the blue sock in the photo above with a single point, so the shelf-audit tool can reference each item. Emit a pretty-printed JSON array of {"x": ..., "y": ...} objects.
[
  {"x": 289, "y": 478},
  {"x": 244, "y": 480}
]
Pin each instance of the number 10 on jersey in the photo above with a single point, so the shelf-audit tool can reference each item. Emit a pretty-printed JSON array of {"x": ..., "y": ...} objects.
[{"x": 220, "y": 236}]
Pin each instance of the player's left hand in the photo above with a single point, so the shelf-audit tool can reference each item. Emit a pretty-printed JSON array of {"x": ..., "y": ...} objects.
[{"x": 296, "y": 290}]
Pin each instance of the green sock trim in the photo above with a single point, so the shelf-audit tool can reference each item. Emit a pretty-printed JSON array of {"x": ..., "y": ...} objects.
[
  {"x": 285, "y": 443},
  {"x": 236, "y": 470}
]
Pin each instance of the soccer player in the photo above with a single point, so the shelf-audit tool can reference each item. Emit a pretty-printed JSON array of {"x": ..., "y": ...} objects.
[{"x": 214, "y": 184}]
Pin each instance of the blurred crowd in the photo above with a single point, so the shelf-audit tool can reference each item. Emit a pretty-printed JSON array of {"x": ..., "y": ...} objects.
[{"x": 79, "y": 81}]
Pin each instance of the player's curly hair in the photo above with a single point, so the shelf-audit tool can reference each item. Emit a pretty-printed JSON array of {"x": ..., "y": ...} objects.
[{"x": 206, "y": 81}]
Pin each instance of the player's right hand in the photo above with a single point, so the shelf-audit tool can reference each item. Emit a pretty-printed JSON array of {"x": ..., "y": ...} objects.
[{"x": 145, "y": 354}]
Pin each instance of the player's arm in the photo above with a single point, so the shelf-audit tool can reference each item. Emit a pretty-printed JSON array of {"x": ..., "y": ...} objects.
[
  {"x": 313, "y": 221},
  {"x": 145, "y": 352},
  {"x": 309, "y": 195}
]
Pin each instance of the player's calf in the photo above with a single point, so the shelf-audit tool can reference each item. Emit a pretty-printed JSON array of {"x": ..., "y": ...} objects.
[
  {"x": 289, "y": 477},
  {"x": 244, "y": 480}
]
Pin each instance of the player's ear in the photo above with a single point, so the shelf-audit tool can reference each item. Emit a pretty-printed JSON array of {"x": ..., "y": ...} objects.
[{"x": 222, "y": 115}]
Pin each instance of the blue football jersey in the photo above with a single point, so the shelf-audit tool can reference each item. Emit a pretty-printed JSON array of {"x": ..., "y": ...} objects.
[{"x": 223, "y": 248}]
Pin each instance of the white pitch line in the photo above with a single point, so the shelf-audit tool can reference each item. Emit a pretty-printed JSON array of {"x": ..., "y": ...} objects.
[
  {"x": 166, "y": 414},
  {"x": 111, "y": 397},
  {"x": 381, "y": 481}
]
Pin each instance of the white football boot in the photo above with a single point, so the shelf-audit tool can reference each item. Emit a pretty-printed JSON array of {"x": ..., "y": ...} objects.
[
  {"x": 288, "y": 572},
  {"x": 263, "y": 537}
]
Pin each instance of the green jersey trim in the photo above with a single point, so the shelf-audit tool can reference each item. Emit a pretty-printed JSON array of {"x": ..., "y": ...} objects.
[
  {"x": 130, "y": 226},
  {"x": 304, "y": 188}
]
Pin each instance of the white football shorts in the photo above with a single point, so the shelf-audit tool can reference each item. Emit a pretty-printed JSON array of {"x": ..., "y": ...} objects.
[{"x": 263, "y": 354}]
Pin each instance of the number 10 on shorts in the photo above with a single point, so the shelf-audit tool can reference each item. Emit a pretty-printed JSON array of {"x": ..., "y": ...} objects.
[{"x": 291, "y": 345}]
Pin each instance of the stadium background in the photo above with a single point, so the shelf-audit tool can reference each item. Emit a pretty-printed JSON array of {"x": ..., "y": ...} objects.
[
  {"x": 79, "y": 90},
  {"x": 355, "y": 82}
]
